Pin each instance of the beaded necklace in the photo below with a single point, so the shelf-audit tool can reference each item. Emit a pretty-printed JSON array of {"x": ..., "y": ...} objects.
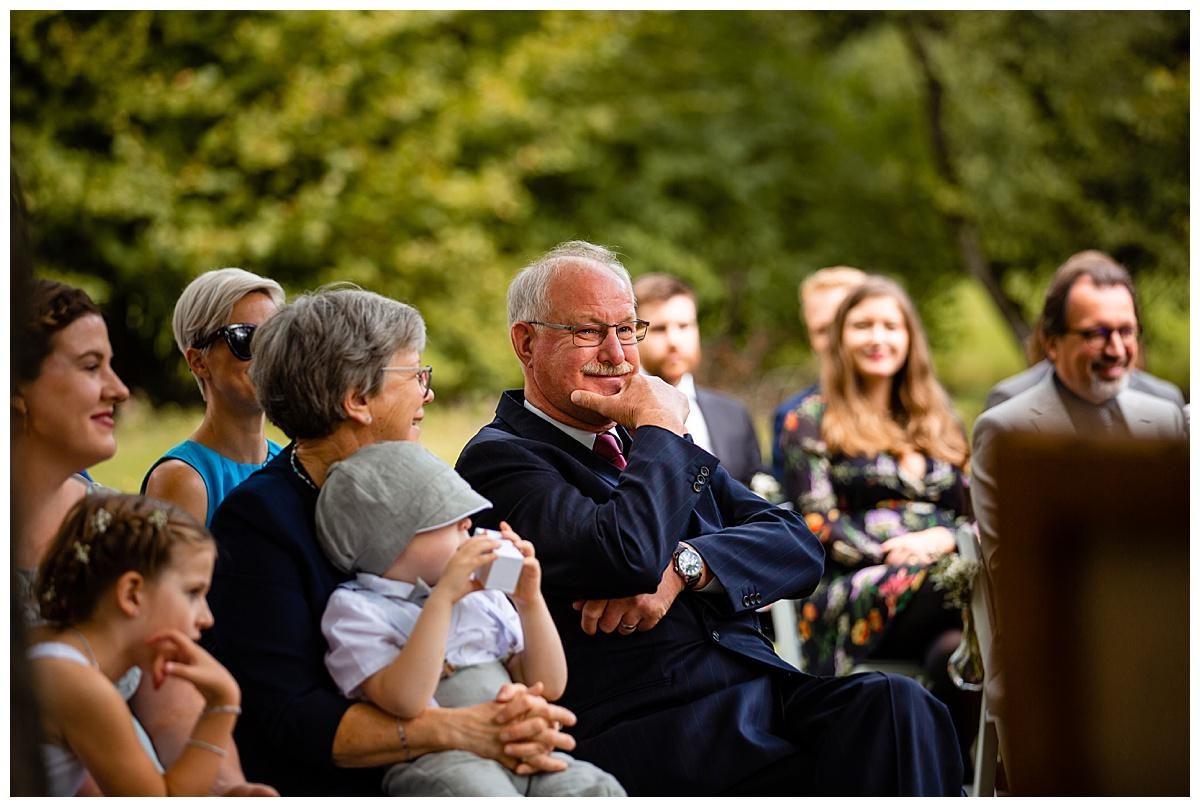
[{"x": 300, "y": 472}]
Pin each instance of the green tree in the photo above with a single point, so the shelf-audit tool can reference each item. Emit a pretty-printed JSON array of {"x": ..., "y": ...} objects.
[{"x": 428, "y": 155}]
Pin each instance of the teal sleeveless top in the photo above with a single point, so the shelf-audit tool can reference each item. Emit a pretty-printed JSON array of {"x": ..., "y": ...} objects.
[{"x": 220, "y": 474}]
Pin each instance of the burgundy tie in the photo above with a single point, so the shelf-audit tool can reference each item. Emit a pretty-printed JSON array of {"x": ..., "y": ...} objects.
[{"x": 607, "y": 446}]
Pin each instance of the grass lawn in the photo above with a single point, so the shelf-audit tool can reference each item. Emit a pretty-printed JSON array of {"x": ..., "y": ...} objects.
[{"x": 144, "y": 433}]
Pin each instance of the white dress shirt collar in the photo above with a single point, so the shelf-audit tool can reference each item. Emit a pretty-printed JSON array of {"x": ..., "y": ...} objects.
[
  {"x": 586, "y": 438},
  {"x": 687, "y": 385}
]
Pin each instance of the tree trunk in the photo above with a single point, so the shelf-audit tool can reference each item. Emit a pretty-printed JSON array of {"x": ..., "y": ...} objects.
[{"x": 969, "y": 247}]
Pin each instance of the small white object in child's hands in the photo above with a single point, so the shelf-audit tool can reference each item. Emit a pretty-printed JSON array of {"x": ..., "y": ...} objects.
[{"x": 502, "y": 573}]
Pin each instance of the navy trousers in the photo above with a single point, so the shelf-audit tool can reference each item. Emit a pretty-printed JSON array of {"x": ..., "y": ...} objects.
[{"x": 869, "y": 734}]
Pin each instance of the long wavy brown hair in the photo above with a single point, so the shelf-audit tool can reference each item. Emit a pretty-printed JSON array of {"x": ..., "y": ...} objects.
[{"x": 921, "y": 417}]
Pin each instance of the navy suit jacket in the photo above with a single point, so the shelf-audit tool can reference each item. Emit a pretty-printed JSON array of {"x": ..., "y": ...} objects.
[
  {"x": 688, "y": 706},
  {"x": 268, "y": 595},
  {"x": 732, "y": 433}
]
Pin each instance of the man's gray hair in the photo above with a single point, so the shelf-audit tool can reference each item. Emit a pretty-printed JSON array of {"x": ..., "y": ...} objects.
[
  {"x": 208, "y": 301},
  {"x": 324, "y": 345},
  {"x": 529, "y": 292}
]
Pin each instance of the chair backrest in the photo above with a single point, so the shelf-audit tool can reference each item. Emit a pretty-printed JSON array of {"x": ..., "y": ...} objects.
[
  {"x": 1092, "y": 596},
  {"x": 981, "y": 600}
]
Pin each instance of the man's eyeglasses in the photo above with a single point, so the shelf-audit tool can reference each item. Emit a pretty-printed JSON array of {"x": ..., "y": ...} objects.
[
  {"x": 629, "y": 332},
  {"x": 1098, "y": 337},
  {"x": 237, "y": 336},
  {"x": 424, "y": 374}
]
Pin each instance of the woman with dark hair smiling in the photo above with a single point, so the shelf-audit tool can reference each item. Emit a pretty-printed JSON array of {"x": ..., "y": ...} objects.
[{"x": 64, "y": 399}]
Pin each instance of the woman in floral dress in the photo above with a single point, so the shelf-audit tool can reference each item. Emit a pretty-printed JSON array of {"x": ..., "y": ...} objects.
[{"x": 876, "y": 461}]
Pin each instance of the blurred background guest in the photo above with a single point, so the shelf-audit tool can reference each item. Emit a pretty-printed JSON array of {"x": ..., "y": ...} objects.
[
  {"x": 1089, "y": 329},
  {"x": 214, "y": 323},
  {"x": 876, "y": 461},
  {"x": 1041, "y": 366},
  {"x": 718, "y": 423},
  {"x": 820, "y": 294}
]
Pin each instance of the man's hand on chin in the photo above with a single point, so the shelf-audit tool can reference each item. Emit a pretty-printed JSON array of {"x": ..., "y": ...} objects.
[{"x": 645, "y": 401}]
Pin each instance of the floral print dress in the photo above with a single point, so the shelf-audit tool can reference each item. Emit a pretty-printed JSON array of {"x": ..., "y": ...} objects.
[{"x": 853, "y": 504}]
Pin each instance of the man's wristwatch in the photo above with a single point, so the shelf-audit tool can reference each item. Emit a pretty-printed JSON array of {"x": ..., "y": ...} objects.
[{"x": 688, "y": 564}]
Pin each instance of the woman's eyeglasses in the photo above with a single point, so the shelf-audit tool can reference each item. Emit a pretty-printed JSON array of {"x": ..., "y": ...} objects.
[
  {"x": 424, "y": 374},
  {"x": 237, "y": 336}
]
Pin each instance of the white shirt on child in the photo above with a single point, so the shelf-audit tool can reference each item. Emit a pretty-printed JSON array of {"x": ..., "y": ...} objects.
[{"x": 368, "y": 620}]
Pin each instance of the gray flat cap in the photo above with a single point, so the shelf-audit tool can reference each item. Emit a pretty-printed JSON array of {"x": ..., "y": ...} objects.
[{"x": 375, "y": 501}]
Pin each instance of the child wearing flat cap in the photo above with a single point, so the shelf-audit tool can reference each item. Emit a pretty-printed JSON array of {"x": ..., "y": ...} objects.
[{"x": 416, "y": 628}]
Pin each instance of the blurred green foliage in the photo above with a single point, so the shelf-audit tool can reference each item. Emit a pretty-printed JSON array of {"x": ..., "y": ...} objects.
[{"x": 429, "y": 155}]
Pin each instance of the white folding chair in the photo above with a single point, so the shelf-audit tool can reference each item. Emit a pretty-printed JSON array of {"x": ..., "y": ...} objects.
[
  {"x": 783, "y": 618},
  {"x": 987, "y": 742}
]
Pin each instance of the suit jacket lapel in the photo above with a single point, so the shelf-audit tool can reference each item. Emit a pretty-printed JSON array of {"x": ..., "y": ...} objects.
[
  {"x": 1047, "y": 412},
  {"x": 1139, "y": 425}
]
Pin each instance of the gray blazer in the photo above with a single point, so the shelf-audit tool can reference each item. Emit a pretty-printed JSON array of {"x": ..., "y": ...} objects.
[
  {"x": 1040, "y": 409},
  {"x": 1138, "y": 380}
]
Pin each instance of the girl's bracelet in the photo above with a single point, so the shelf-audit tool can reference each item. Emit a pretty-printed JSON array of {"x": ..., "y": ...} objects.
[
  {"x": 203, "y": 746},
  {"x": 403, "y": 740},
  {"x": 223, "y": 709}
]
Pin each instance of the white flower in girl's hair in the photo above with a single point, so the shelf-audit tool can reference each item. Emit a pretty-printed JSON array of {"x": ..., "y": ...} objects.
[
  {"x": 158, "y": 519},
  {"x": 100, "y": 520},
  {"x": 81, "y": 552}
]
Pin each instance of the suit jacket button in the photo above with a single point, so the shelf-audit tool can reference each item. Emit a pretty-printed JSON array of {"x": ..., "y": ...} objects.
[
  {"x": 704, "y": 470},
  {"x": 716, "y": 634},
  {"x": 698, "y": 486},
  {"x": 746, "y": 600}
]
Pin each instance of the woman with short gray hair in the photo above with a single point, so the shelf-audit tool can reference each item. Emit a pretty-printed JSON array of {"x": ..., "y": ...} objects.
[
  {"x": 337, "y": 370},
  {"x": 214, "y": 321},
  {"x": 338, "y": 339}
]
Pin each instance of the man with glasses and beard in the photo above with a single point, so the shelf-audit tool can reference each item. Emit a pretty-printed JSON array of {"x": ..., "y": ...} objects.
[
  {"x": 654, "y": 563},
  {"x": 718, "y": 423},
  {"x": 1089, "y": 329}
]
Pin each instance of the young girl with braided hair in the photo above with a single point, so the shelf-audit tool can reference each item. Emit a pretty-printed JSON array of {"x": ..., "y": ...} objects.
[{"x": 123, "y": 584}]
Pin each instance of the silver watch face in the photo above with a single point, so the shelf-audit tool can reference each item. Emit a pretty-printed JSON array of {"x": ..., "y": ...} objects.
[{"x": 689, "y": 564}]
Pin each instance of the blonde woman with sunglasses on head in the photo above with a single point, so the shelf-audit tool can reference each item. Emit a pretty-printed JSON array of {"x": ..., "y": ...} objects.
[{"x": 214, "y": 324}]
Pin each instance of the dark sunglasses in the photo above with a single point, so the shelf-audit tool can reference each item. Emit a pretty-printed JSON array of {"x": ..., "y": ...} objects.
[{"x": 237, "y": 336}]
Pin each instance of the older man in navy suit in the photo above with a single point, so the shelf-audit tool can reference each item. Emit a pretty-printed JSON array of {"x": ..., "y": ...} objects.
[{"x": 654, "y": 561}]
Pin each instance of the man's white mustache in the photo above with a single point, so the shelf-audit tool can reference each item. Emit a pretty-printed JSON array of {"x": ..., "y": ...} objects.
[{"x": 596, "y": 368}]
